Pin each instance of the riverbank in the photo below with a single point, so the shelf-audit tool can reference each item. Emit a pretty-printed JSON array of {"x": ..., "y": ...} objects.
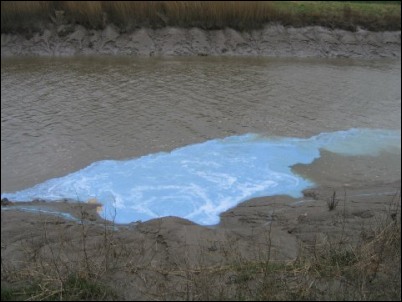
[
  {"x": 271, "y": 41},
  {"x": 339, "y": 241},
  {"x": 355, "y": 29},
  {"x": 269, "y": 248}
]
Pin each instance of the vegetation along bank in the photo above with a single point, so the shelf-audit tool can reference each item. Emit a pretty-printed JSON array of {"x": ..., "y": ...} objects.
[{"x": 168, "y": 28}]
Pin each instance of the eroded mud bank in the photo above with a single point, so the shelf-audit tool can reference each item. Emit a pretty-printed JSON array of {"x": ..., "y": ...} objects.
[{"x": 273, "y": 40}]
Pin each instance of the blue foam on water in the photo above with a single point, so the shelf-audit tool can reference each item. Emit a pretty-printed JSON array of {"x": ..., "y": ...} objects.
[{"x": 198, "y": 182}]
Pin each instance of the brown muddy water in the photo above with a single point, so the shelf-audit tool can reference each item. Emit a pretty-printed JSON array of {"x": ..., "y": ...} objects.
[{"x": 59, "y": 115}]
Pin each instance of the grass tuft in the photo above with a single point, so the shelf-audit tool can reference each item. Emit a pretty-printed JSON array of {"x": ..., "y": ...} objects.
[{"x": 333, "y": 202}]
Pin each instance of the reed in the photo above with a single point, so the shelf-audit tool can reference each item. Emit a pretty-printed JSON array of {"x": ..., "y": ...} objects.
[
  {"x": 27, "y": 15},
  {"x": 241, "y": 15}
]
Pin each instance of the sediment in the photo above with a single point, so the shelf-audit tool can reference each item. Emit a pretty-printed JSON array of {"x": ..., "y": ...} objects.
[{"x": 271, "y": 41}]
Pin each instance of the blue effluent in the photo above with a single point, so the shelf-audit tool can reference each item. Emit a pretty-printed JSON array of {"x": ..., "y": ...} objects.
[{"x": 200, "y": 181}]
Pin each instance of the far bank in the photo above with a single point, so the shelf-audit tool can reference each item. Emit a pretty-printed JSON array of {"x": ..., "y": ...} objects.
[{"x": 271, "y": 41}]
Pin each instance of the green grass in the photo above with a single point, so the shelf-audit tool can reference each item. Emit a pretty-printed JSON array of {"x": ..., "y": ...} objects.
[
  {"x": 241, "y": 15},
  {"x": 374, "y": 15},
  {"x": 74, "y": 288},
  {"x": 7, "y": 294}
]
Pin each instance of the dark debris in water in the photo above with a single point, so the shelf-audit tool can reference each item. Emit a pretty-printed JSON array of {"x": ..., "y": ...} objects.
[{"x": 5, "y": 202}]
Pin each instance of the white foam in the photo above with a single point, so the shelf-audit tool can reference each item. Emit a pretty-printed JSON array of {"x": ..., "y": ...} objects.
[{"x": 198, "y": 182}]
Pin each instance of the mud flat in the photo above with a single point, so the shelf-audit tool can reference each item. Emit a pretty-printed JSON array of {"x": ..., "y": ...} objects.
[
  {"x": 272, "y": 41},
  {"x": 139, "y": 259}
]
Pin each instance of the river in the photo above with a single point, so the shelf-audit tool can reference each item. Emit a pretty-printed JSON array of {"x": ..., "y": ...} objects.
[{"x": 59, "y": 115}]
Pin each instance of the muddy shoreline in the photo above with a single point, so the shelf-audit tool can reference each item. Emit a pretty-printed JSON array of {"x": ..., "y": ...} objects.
[
  {"x": 155, "y": 260},
  {"x": 271, "y": 41},
  {"x": 158, "y": 252}
]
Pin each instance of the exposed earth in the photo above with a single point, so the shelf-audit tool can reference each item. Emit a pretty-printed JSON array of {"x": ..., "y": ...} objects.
[
  {"x": 273, "y": 41},
  {"x": 150, "y": 260}
]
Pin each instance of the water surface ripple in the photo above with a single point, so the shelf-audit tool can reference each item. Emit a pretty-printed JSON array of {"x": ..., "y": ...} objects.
[{"x": 61, "y": 115}]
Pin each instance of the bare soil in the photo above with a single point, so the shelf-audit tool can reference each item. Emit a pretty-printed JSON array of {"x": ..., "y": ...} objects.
[{"x": 167, "y": 258}]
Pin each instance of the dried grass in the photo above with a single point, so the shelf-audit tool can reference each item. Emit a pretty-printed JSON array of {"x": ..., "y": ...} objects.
[{"x": 241, "y": 15}]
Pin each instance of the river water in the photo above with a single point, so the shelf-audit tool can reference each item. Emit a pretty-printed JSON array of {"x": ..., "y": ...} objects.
[{"x": 59, "y": 115}]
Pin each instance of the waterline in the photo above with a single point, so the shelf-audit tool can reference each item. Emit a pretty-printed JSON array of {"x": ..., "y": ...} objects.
[{"x": 200, "y": 181}]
